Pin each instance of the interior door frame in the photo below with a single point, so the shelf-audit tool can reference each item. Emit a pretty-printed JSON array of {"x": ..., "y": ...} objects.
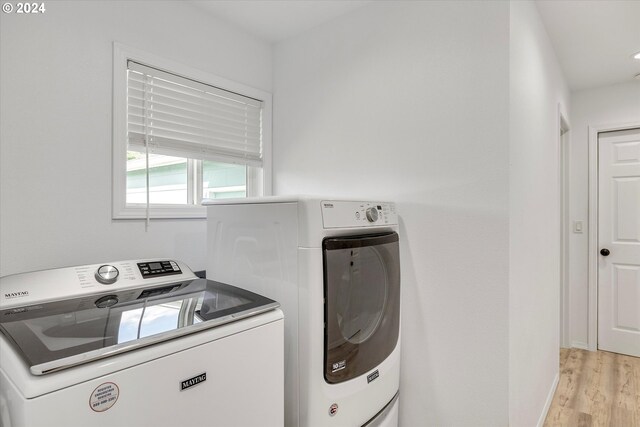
[
  {"x": 564, "y": 177},
  {"x": 594, "y": 131}
]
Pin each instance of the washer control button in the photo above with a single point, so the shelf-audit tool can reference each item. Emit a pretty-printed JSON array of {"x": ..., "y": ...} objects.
[
  {"x": 107, "y": 301},
  {"x": 372, "y": 214},
  {"x": 107, "y": 274}
]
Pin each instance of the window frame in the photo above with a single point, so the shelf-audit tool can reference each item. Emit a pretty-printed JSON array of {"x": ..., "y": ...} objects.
[{"x": 258, "y": 178}]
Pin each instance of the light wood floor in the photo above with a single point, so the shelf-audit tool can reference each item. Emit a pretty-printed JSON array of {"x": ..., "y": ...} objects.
[{"x": 596, "y": 389}]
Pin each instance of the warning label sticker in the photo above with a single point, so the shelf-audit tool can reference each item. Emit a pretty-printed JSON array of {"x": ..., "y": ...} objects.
[{"x": 104, "y": 397}]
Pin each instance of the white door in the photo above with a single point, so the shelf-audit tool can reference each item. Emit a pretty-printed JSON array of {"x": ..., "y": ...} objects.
[{"x": 619, "y": 242}]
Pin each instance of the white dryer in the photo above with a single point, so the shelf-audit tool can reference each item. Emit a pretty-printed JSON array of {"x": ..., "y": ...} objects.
[
  {"x": 137, "y": 343},
  {"x": 334, "y": 267}
]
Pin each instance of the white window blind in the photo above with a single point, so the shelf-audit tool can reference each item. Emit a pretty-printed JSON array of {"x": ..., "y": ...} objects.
[{"x": 176, "y": 116}]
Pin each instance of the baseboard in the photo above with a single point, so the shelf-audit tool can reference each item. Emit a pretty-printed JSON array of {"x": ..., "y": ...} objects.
[
  {"x": 580, "y": 345},
  {"x": 547, "y": 404}
]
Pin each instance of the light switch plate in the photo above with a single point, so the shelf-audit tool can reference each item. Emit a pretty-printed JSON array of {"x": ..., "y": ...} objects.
[{"x": 578, "y": 226}]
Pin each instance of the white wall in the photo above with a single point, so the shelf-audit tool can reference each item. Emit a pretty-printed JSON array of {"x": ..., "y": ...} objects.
[
  {"x": 408, "y": 101},
  {"x": 617, "y": 104},
  {"x": 55, "y": 167},
  {"x": 537, "y": 86}
]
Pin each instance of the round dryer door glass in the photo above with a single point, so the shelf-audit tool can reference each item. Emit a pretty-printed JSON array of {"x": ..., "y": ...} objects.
[
  {"x": 362, "y": 294},
  {"x": 362, "y": 303}
]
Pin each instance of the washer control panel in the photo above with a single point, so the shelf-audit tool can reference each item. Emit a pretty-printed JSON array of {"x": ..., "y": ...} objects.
[
  {"x": 158, "y": 268},
  {"x": 347, "y": 214},
  {"x": 101, "y": 283},
  {"x": 107, "y": 274}
]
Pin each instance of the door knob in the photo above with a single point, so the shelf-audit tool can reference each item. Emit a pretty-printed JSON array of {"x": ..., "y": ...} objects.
[{"x": 605, "y": 252}]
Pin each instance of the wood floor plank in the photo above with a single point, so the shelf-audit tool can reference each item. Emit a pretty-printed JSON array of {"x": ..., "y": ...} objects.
[
  {"x": 564, "y": 354},
  {"x": 623, "y": 417},
  {"x": 596, "y": 389},
  {"x": 568, "y": 417},
  {"x": 625, "y": 385}
]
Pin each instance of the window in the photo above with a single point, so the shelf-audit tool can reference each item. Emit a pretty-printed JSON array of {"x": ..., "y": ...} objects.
[{"x": 181, "y": 136}]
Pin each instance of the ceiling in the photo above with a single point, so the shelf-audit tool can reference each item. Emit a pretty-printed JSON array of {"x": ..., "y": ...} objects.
[
  {"x": 594, "y": 40},
  {"x": 274, "y": 20}
]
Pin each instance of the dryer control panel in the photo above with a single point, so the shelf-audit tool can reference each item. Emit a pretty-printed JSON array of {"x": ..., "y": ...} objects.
[{"x": 348, "y": 214}]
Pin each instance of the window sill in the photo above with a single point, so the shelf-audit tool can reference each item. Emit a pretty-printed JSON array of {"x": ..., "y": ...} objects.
[{"x": 161, "y": 212}]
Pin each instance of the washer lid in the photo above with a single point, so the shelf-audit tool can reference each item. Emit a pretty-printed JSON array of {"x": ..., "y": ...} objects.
[{"x": 58, "y": 335}]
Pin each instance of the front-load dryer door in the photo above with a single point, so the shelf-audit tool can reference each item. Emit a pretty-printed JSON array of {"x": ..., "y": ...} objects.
[{"x": 362, "y": 303}]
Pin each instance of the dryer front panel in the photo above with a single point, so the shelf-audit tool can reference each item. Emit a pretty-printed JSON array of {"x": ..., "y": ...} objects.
[{"x": 362, "y": 303}]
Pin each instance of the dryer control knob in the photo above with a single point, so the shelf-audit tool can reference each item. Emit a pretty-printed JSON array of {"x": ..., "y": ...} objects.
[
  {"x": 107, "y": 274},
  {"x": 372, "y": 214}
]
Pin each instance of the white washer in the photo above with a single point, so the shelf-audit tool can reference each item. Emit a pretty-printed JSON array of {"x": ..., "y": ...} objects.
[
  {"x": 137, "y": 343},
  {"x": 334, "y": 267}
]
